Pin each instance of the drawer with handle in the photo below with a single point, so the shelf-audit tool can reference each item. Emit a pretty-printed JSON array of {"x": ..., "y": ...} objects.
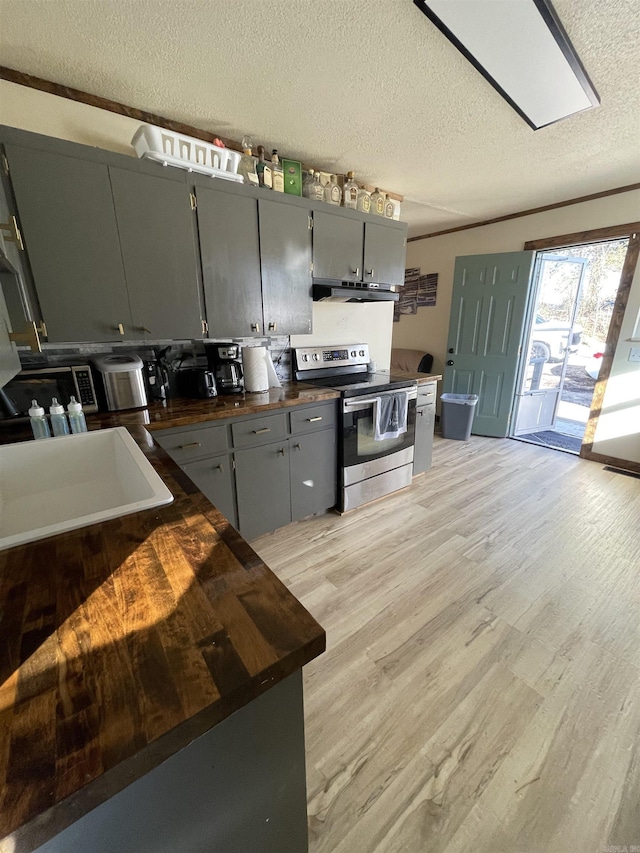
[
  {"x": 259, "y": 430},
  {"x": 426, "y": 393},
  {"x": 188, "y": 445},
  {"x": 311, "y": 418}
]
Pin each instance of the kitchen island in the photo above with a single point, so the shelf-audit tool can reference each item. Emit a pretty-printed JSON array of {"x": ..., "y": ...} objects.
[{"x": 150, "y": 675}]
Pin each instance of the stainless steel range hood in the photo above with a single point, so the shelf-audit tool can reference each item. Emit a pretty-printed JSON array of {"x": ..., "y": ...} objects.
[{"x": 352, "y": 292}]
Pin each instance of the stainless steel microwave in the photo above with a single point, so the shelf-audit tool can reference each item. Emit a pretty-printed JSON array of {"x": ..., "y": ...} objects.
[{"x": 45, "y": 383}]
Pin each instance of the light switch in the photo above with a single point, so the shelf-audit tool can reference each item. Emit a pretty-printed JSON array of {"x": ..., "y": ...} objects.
[{"x": 634, "y": 354}]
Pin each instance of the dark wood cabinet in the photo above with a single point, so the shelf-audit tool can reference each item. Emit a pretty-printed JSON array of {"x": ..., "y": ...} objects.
[
  {"x": 285, "y": 259},
  {"x": 71, "y": 236},
  {"x": 157, "y": 240},
  {"x": 230, "y": 252}
]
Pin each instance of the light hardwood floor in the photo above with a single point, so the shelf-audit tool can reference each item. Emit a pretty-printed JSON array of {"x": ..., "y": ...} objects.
[{"x": 481, "y": 686}]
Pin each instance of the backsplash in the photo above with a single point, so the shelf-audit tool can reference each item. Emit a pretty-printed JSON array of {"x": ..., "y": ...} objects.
[{"x": 181, "y": 353}]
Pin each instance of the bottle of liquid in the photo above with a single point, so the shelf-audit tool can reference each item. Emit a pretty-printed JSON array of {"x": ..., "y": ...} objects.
[
  {"x": 332, "y": 192},
  {"x": 308, "y": 184},
  {"x": 318, "y": 189},
  {"x": 59, "y": 423},
  {"x": 377, "y": 202},
  {"x": 278, "y": 172},
  {"x": 247, "y": 167},
  {"x": 39, "y": 423},
  {"x": 350, "y": 194},
  {"x": 364, "y": 201},
  {"x": 76, "y": 416},
  {"x": 264, "y": 170},
  {"x": 389, "y": 208}
]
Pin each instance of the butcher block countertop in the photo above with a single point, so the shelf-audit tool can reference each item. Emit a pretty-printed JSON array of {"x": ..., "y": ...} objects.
[{"x": 122, "y": 642}]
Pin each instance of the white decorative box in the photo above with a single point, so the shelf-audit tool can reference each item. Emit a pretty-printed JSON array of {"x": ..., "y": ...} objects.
[{"x": 185, "y": 152}]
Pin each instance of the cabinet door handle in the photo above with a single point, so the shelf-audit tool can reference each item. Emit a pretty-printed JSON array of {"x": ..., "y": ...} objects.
[
  {"x": 261, "y": 431},
  {"x": 313, "y": 420},
  {"x": 119, "y": 328},
  {"x": 297, "y": 446},
  {"x": 281, "y": 451},
  {"x": 356, "y": 272},
  {"x": 189, "y": 446},
  {"x": 369, "y": 272},
  {"x": 218, "y": 467},
  {"x": 255, "y": 327},
  {"x": 144, "y": 329},
  {"x": 273, "y": 327}
]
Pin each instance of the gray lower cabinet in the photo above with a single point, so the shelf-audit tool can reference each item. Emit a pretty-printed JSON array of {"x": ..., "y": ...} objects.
[
  {"x": 313, "y": 466},
  {"x": 285, "y": 260},
  {"x": 230, "y": 252},
  {"x": 214, "y": 478},
  {"x": 69, "y": 228},
  {"x": 263, "y": 488},
  {"x": 425, "y": 423},
  {"x": 157, "y": 240}
]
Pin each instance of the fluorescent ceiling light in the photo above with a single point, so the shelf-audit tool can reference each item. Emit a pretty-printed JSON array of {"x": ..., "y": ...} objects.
[{"x": 522, "y": 49}]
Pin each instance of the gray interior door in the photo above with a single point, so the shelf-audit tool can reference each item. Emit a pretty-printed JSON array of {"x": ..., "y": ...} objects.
[
  {"x": 230, "y": 252},
  {"x": 285, "y": 256},
  {"x": 69, "y": 228},
  {"x": 554, "y": 300},
  {"x": 384, "y": 253},
  {"x": 156, "y": 227},
  {"x": 337, "y": 247},
  {"x": 485, "y": 332}
]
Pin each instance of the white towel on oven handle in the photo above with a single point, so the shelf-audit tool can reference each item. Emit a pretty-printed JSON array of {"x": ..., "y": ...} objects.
[{"x": 391, "y": 415}]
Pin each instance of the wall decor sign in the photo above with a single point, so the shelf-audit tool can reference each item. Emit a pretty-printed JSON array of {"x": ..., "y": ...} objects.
[{"x": 419, "y": 291}]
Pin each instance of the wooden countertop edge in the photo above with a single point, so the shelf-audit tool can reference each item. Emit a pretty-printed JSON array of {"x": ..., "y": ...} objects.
[{"x": 62, "y": 814}]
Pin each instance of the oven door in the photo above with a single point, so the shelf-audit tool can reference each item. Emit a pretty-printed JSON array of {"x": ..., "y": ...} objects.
[{"x": 361, "y": 455}]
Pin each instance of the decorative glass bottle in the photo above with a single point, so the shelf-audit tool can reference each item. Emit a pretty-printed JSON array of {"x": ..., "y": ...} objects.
[
  {"x": 318, "y": 189},
  {"x": 377, "y": 202},
  {"x": 308, "y": 184},
  {"x": 264, "y": 170},
  {"x": 350, "y": 192},
  {"x": 332, "y": 192},
  {"x": 364, "y": 200},
  {"x": 247, "y": 167},
  {"x": 388, "y": 207},
  {"x": 277, "y": 172}
]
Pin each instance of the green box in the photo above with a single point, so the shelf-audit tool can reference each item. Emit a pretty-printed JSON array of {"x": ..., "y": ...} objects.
[{"x": 292, "y": 177}]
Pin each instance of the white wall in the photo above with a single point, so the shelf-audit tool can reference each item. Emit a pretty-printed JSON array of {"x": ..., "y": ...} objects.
[
  {"x": 619, "y": 428},
  {"x": 39, "y": 112}
]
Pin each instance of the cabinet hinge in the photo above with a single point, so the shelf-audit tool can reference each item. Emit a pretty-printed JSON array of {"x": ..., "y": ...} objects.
[
  {"x": 205, "y": 327},
  {"x": 5, "y": 164},
  {"x": 311, "y": 266},
  {"x": 233, "y": 464},
  {"x": 194, "y": 201},
  {"x": 310, "y": 222}
]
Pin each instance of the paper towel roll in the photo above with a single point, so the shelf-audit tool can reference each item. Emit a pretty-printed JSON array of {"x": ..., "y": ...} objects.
[{"x": 254, "y": 366}]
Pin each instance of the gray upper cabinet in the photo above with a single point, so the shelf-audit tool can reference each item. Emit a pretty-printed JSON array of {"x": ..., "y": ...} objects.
[
  {"x": 285, "y": 254},
  {"x": 337, "y": 247},
  {"x": 156, "y": 227},
  {"x": 71, "y": 237},
  {"x": 230, "y": 252},
  {"x": 9, "y": 360},
  {"x": 384, "y": 253}
]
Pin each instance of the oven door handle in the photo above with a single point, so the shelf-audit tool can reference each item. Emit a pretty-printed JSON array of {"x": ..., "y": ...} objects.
[{"x": 359, "y": 403}]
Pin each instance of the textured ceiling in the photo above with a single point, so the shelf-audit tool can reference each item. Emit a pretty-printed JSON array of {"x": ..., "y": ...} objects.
[{"x": 368, "y": 85}]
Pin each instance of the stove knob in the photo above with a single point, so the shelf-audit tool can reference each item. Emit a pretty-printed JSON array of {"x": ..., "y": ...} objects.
[
  {"x": 361, "y": 353},
  {"x": 305, "y": 357},
  {"x": 353, "y": 353},
  {"x": 316, "y": 356}
]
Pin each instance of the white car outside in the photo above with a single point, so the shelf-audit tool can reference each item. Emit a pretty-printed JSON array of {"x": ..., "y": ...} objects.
[{"x": 550, "y": 338}]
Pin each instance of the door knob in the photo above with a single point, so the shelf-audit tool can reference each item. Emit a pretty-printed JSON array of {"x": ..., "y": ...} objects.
[
  {"x": 450, "y": 350},
  {"x": 450, "y": 362}
]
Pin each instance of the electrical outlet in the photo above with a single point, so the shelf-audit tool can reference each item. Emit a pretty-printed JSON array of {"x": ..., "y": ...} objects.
[{"x": 634, "y": 354}]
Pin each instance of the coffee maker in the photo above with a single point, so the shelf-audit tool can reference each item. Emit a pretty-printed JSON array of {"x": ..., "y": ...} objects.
[{"x": 225, "y": 360}]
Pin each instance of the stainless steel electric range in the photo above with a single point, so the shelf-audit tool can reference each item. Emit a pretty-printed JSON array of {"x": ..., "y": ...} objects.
[{"x": 369, "y": 467}]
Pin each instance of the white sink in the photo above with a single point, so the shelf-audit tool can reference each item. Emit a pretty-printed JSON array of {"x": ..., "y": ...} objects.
[{"x": 58, "y": 484}]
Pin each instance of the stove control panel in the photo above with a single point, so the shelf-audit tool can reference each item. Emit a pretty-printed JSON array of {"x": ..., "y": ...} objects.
[{"x": 347, "y": 355}]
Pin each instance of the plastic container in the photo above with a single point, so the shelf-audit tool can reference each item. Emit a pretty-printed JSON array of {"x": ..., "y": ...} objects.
[
  {"x": 39, "y": 423},
  {"x": 59, "y": 423},
  {"x": 456, "y": 415},
  {"x": 76, "y": 416},
  {"x": 186, "y": 152}
]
